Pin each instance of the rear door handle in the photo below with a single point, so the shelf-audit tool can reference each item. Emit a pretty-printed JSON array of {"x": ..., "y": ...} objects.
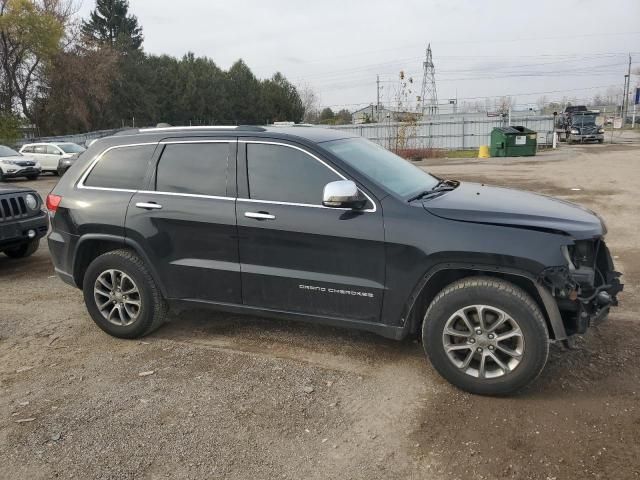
[
  {"x": 149, "y": 205},
  {"x": 260, "y": 215}
]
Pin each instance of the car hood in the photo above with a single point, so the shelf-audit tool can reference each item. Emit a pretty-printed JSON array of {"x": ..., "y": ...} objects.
[
  {"x": 479, "y": 203},
  {"x": 6, "y": 188}
]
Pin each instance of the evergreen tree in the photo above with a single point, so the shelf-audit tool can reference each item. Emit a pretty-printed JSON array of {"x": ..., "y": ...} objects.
[{"x": 110, "y": 24}]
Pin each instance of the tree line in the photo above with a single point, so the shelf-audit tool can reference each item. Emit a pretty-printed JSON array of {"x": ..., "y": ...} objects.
[{"x": 64, "y": 75}]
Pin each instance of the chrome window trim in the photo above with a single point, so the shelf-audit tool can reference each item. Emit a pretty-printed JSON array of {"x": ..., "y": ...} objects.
[
  {"x": 80, "y": 185},
  {"x": 273, "y": 202},
  {"x": 193, "y": 195}
]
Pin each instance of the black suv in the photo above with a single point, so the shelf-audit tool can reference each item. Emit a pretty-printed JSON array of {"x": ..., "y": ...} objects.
[
  {"x": 22, "y": 221},
  {"x": 317, "y": 225}
]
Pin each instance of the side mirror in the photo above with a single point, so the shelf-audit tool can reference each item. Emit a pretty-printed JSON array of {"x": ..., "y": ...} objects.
[{"x": 343, "y": 194}]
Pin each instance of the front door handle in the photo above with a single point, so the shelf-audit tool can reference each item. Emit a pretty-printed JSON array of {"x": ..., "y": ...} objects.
[
  {"x": 149, "y": 205},
  {"x": 260, "y": 215}
]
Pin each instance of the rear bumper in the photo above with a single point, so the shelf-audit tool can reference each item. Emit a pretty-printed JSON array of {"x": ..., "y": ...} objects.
[
  {"x": 62, "y": 247},
  {"x": 16, "y": 232}
]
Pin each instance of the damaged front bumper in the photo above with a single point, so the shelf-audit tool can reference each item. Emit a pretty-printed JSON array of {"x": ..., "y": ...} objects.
[{"x": 586, "y": 288}]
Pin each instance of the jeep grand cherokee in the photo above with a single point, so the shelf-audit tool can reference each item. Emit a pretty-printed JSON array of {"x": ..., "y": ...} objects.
[{"x": 317, "y": 225}]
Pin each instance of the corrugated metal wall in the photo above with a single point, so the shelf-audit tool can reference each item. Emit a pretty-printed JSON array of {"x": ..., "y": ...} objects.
[{"x": 452, "y": 133}]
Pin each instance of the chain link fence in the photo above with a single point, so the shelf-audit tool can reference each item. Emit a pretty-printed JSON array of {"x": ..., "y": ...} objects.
[{"x": 79, "y": 138}]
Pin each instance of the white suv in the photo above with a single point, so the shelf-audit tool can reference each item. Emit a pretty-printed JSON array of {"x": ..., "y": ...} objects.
[{"x": 50, "y": 154}]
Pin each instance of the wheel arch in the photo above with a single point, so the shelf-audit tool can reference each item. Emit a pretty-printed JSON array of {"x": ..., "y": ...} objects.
[
  {"x": 91, "y": 246},
  {"x": 440, "y": 276}
]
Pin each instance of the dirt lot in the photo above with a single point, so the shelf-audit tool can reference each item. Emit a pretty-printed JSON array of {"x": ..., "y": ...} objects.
[{"x": 242, "y": 397}]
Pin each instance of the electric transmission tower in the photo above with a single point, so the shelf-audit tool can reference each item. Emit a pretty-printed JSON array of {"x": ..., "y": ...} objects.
[{"x": 429, "y": 95}]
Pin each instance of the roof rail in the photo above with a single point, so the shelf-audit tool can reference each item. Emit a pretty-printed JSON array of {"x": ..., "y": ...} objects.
[{"x": 247, "y": 128}]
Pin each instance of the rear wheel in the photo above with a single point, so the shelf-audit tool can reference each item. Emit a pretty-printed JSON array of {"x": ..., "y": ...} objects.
[
  {"x": 122, "y": 296},
  {"x": 486, "y": 336},
  {"x": 24, "y": 250}
]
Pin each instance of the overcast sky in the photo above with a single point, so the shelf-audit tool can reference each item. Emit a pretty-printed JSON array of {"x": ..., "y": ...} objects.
[{"x": 572, "y": 48}]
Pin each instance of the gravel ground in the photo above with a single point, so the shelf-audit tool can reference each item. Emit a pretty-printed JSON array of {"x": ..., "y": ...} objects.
[{"x": 244, "y": 397}]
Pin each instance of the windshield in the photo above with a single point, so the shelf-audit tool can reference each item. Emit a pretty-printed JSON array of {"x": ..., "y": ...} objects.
[
  {"x": 8, "y": 152},
  {"x": 71, "y": 148},
  {"x": 586, "y": 120},
  {"x": 382, "y": 166}
]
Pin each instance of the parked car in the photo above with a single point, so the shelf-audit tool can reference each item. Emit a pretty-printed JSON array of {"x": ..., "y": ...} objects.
[
  {"x": 318, "y": 225},
  {"x": 54, "y": 157},
  {"x": 22, "y": 221},
  {"x": 65, "y": 163},
  {"x": 14, "y": 164}
]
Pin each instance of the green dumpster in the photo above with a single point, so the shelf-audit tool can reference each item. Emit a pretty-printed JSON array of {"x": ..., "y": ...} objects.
[{"x": 513, "y": 142}]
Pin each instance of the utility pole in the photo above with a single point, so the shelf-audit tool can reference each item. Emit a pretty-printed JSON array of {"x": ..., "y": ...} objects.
[
  {"x": 378, "y": 98},
  {"x": 625, "y": 100}
]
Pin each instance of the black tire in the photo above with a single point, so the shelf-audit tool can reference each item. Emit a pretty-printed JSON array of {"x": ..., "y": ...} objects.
[
  {"x": 153, "y": 310},
  {"x": 24, "y": 250},
  {"x": 32, "y": 177},
  {"x": 600, "y": 141},
  {"x": 501, "y": 295}
]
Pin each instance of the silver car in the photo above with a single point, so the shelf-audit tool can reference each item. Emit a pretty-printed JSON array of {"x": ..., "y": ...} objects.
[{"x": 14, "y": 164}]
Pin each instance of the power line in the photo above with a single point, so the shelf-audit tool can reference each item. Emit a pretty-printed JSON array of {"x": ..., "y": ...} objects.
[{"x": 485, "y": 97}]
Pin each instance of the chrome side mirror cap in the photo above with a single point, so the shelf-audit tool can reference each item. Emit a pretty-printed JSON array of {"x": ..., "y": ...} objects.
[{"x": 343, "y": 194}]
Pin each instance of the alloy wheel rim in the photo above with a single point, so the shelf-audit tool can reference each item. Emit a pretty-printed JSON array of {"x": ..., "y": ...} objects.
[
  {"x": 117, "y": 297},
  {"x": 483, "y": 341}
]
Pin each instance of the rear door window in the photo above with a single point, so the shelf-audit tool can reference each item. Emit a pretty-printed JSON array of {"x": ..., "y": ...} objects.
[
  {"x": 285, "y": 174},
  {"x": 40, "y": 149},
  {"x": 121, "y": 168},
  {"x": 194, "y": 168}
]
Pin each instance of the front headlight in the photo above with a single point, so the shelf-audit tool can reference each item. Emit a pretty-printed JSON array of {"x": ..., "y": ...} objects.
[
  {"x": 31, "y": 201},
  {"x": 575, "y": 131},
  {"x": 9, "y": 162},
  {"x": 601, "y": 130}
]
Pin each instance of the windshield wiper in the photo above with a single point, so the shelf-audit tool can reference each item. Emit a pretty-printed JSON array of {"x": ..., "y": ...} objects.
[{"x": 441, "y": 187}]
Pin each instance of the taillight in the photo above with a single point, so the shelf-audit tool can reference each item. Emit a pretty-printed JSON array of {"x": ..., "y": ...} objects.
[{"x": 52, "y": 202}]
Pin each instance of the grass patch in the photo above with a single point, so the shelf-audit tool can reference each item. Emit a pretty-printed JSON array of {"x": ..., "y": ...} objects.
[{"x": 462, "y": 154}]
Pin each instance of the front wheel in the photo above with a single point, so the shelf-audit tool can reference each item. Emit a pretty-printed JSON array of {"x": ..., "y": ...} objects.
[
  {"x": 486, "y": 336},
  {"x": 33, "y": 177},
  {"x": 122, "y": 296}
]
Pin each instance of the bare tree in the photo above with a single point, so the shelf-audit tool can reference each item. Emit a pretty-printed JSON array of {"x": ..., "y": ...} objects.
[
  {"x": 310, "y": 102},
  {"x": 504, "y": 104}
]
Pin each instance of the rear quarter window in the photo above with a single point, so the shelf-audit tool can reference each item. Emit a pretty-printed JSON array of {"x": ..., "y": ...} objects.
[{"x": 121, "y": 168}]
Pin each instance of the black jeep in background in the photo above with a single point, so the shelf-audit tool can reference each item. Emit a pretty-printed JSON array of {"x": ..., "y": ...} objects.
[
  {"x": 318, "y": 225},
  {"x": 22, "y": 221}
]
